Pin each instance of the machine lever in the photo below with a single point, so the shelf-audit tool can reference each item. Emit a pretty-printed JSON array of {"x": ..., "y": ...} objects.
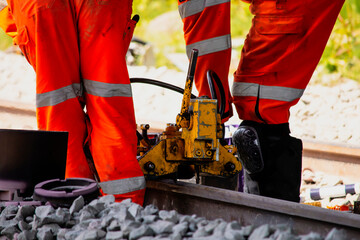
[{"x": 183, "y": 118}]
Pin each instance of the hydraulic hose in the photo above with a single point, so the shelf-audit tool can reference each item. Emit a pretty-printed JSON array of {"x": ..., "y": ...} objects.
[
  {"x": 213, "y": 77},
  {"x": 159, "y": 84}
]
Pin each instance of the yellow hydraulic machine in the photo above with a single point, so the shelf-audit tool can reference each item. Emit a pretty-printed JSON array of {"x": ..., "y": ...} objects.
[{"x": 193, "y": 141}]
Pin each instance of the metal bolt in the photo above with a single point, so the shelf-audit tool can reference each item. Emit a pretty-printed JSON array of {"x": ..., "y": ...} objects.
[
  {"x": 198, "y": 153},
  {"x": 208, "y": 153},
  {"x": 229, "y": 167},
  {"x": 174, "y": 149},
  {"x": 149, "y": 166}
]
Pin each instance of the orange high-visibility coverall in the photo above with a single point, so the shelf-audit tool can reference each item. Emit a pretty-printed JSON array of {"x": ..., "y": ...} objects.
[
  {"x": 280, "y": 53},
  {"x": 207, "y": 28},
  {"x": 77, "y": 49}
]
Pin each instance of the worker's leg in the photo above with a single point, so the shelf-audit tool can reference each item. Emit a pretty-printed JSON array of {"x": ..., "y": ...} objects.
[
  {"x": 207, "y": 28},
  {"x": 105, "y": 31},
  {"x": 48, "y": 38},
  {"x": 281, "y": 51}
]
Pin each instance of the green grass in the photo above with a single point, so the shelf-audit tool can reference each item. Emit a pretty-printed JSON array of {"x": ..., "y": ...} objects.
[
  {"x": 5, "y": 40},
  {"x": 342, "y": 53}
]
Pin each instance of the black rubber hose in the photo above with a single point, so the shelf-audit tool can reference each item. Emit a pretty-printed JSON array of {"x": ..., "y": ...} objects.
[
  {"x": 212, "y": 76},
  {"x": 159, "y": 84},
  {"x": 211, "y": 85}
]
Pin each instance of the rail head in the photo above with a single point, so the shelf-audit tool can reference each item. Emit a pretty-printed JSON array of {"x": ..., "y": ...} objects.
[{"x": 212, "y": 203}]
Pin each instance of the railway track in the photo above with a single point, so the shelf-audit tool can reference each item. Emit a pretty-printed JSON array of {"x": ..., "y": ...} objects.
[{"x": 212, "y": 203}]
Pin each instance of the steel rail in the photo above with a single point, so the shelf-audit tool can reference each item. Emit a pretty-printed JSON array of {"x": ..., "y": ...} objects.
[{"x": 212, "y": 203}]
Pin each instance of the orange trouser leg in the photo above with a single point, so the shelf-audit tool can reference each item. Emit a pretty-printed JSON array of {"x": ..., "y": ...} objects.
[
  {"x": 105, "y": 32},
  {"x": 73, "y": 42},
  {"x": 280, "y": 54},
  {"x": 48, "y": 38},
  {"x": 207, "y": 28}
]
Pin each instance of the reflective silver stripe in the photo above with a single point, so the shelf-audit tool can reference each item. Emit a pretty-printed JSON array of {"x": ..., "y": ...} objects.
[
  {"x": 123, "y": 185},
  {"x": 60, "y": 95},
  {"x": 107, "y": 89},
  {"x": 196, "y": 6},
  {"x": 243, "y": 89},
  {"x": 210, "y": 45}
]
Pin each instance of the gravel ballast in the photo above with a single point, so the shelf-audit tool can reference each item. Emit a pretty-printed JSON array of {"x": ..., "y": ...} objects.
[{"x": 103, "y": 218}]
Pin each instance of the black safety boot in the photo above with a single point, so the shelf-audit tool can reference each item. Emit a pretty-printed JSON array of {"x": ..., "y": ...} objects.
[{"x": 271, "y": 159}]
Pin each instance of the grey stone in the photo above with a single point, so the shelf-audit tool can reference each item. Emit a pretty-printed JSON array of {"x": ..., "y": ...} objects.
[
  {"x": 72, "y": 234},
  {"x": 142, "y": 231},
  {"x": 124, "y": 215},
  {"x": 176, "y": 236},
  {"x": 95, "y": 224},
  {"x": 211, "y": 225},
  {"x": 220, "y": 229},
  {"x": 161, "y": 226},
  {"x": 192, "y": 227},
  {"x": 104, "y": 212},
  {"x": 77, "y": 205},
  {"x": 200, "y": 232},
  {"x": 44, "y": 234},
  {"x": 98, "y": 205},
  {"x": 235, "y": 235},
  {"x": 85, "y": 215},
  {"x": 286, "y": 236},
  {"x": 25, "y": 211},
  {"x": 29, "y": 218},
  {"x": 44, "y": 211},
  {"x": 114, "y": 235},
  {"x": 260, "y": 232},
  {"x": 148, "y": 219},
  {"x": 23, "y": 225},
  {"x": 234, "y": 226},
  {"x": 135, "y": 210},
  {"x": 107, "y": 199},
  {"x": 171, "y": 216},
  {"x": 92, "y": 209},
  {"x": 9, "y": 211},
  {"x": 197, "y": 219},
  {"x": 283, "y": 233},
  {"x": 311, "y": 236},
  {"x": 70, "y": 223},
  {"x": 10, "y": 231},
  {"x": 8, "y": 223},
  {"x": 106, "y": 220},
  {"x": 202, "y": 223},
  {"x": 150, "y": 210},
  {"x": 114, "y": 226},
  {"x": 62, "y": 215},
  {"x": 61, "y": 233},
  {"x": 53, "y": 227},
  {"x": 128, "y": 226},
  {"x": 126, "y": 202},
  {"x": 91, "y": 234},
  {"x": 247, "y": 230},
  {"x": 181, "y": 228},
  {"x": 184, "y": 218},
  {"x": 336, "y": 234},
  {"x": 27, "y": 235},
  {"x": 83, "y": 225}
]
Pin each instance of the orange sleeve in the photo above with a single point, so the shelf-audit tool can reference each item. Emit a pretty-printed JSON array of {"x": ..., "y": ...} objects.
[{"x": 7, "y": 22}]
